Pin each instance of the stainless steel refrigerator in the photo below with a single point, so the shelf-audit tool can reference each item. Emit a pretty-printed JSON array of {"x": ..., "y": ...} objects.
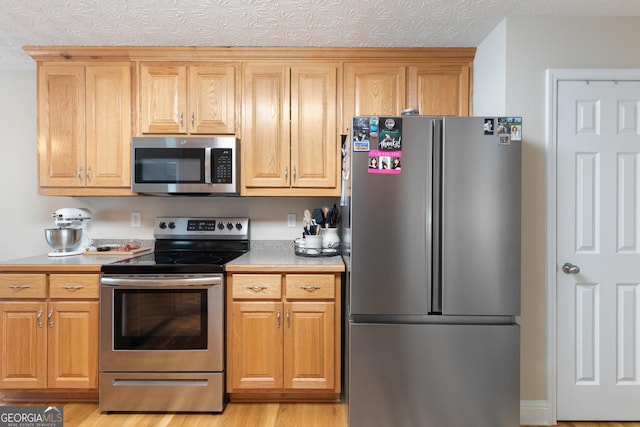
[{"x": 431, "y": 240}]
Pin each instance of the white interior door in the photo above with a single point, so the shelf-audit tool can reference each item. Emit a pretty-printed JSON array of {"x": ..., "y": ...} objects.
[{"x": 598, "y": 246}]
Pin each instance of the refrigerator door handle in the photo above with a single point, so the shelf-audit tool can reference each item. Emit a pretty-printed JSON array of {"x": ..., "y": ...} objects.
[{"x": 436, "y": 218}]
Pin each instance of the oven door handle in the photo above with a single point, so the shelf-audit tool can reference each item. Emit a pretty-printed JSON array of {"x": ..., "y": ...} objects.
[{"x": 161, "y": 282}]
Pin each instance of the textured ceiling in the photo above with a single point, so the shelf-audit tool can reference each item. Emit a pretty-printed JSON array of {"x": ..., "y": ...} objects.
[{"x": 282, "y": 23}]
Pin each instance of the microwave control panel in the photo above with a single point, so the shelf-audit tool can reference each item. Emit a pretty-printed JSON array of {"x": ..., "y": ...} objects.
[{"x": 222, "y": 166}]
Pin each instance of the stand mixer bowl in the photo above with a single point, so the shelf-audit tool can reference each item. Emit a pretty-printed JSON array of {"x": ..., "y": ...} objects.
[{"x": 63, "y": 239}]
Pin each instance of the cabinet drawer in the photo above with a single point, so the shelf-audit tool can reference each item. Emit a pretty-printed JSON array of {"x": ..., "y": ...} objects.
[
  {"x": 310, "y": 286},
  {"x": 261, "y": 286},
  {"x": 23, "y": 286},
  {"x": 74, "y": 286}
]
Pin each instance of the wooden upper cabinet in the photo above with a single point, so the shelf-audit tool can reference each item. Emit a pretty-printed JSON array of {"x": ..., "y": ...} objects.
[
  {"x": 434, "y": 88},
  {"x": 440, "y": 89},
  {"x": 372, "y": 89},
  {"x": 288, "y": 106},
  {"x": 187, "y": 99},
  {"x": 289, "y": 129},
  {"x": 61, "y": 125},
  {"x": 108, "y": 130},
  {"x": 265, "y": 126},
  {"x": 84, "y": 126},
  {"x": 314, "y": 126}
]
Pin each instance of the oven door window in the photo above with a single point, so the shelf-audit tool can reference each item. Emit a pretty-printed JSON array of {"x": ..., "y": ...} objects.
[
  {"x": 169, "y": 165},
  {"x": 154, "y": 319}
]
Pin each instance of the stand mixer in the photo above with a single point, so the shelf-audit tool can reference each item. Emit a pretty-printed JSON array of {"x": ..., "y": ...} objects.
[{"x": 71, "y": 236}]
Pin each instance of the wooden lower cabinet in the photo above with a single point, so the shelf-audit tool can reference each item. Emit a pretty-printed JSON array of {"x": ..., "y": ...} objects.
[
  {"x": 283, "y": 336},
  {"x": 46, "y": 343}
]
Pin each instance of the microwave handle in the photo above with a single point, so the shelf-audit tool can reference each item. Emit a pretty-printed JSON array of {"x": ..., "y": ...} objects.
[{"x": 208, "y": 161}]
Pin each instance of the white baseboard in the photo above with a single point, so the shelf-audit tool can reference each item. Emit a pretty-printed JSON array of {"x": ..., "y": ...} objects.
[{"x": 535, "y": 413}]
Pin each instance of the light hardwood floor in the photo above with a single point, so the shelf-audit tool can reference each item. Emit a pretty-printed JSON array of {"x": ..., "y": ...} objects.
[{"x": 239, "y": 415}]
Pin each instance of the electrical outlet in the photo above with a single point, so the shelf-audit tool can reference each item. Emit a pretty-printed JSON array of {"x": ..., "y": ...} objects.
[
  {"x": 136, "y": 219},
  {"x": 291, "y": 220}
]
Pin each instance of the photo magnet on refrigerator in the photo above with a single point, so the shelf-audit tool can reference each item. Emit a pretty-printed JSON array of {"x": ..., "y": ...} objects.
[{"x": 387, "y": 158}]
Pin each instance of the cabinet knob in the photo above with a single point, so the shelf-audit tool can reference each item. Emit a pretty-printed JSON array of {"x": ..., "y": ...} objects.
[
  {"x": 39, "y": 318},
  {"x": 50, "y": 317},
  {"x": 257, "y": 288},
  {"x": 80, "y": 174}
]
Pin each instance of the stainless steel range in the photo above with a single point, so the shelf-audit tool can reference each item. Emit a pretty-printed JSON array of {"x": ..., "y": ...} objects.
[{"x": 162, "y": 317}]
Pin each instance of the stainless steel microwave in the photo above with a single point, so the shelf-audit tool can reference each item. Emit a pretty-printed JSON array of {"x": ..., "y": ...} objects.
[{"x": 185, "y": 165}]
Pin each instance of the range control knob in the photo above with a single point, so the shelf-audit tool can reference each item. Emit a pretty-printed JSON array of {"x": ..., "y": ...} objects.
[
  {"x": 220, "y": 226},
  {"x": 172, "y": 225},
  {"x": 238, "y": 226},
  {"x": 229, "y": 226},
  {"x": 162, "y": 225}
]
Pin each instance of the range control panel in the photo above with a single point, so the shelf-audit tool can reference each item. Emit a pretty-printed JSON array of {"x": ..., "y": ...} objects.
[{"x": 236, "y": 228}]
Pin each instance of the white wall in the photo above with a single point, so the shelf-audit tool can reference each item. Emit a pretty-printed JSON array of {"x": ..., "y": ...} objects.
[
  {"x": 25, "y": 214},
  {"x": 534, "y": 44},
  {"x": 489, "y": 74}
]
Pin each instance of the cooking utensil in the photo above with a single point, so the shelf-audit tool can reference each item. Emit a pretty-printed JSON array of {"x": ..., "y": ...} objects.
[
  {"x": 306, "y": 221},
  {"x": 318, "y": 216}
]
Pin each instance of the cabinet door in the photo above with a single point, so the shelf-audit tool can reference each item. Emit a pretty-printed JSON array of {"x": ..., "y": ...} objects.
[
  {"x": 373, "y": 89},
  {"x": 314, "y": 139},
  {"x": 309, "y": 345},
  {"x": 61, "y": 125},
  {"x": 212, "y": 102},
  {"x": 23, "y": 337},
  {"x": 163, "y": 98},
  {"x": 256, "y": 332},
  {"x": 108, "y": 128},
  {"x": 265, "y": 126},
  {"x": 440, "y": 89},
  {"x": 73, "y": 345}
]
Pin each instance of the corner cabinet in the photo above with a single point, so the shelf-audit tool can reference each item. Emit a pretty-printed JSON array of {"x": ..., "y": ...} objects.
[
  {"x": 283, "y": 336},
  {"x": 84, "y": 128},
  {"x": 187, "y": 99},
  {"x": 49, "y": 340},
  {"x": 290, "y": 129}
]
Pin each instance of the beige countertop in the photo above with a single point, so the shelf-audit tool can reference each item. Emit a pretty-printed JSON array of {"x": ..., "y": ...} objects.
[
  {"x": 73, "y": 263},
  {"x": 264, "y": 256},
  {"x": 280, "y": 256}
]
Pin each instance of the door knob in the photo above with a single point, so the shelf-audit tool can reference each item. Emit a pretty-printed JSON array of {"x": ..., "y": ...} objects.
[{"x": 569, "y": 268}]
